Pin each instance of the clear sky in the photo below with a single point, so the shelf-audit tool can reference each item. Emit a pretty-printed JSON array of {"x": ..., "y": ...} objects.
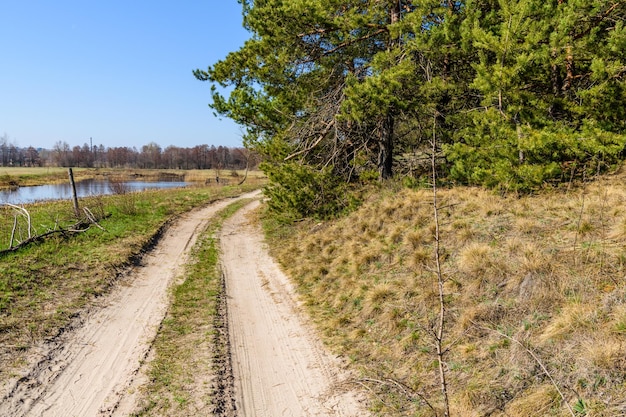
[{"x": 117, "y": 71}]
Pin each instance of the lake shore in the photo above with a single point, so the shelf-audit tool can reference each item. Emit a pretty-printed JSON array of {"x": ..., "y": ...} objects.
[{"x": 13, "y": 177}]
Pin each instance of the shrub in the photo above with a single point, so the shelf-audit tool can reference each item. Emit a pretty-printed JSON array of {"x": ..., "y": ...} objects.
[{"x": 297, "y": 191}]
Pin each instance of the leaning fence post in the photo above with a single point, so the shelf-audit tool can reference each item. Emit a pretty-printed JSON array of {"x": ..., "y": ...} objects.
[{"x": 74, "y": 196}]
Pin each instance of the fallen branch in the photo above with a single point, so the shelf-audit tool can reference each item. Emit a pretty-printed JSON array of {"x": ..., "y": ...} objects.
[
  {"x": 23, "y": 212},
  {"x": 92, "y": 218},
  {"x": 79, "y": 227},
  {"x": 41, "y": 237},
  {"x": 13, "y": 232},
  {"x": 401, "y": 387}
]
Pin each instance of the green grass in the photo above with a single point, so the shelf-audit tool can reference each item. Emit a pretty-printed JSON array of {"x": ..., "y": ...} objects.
[
  {"x": 179, "y": 376},
  {"x": 44, "y": 285}
]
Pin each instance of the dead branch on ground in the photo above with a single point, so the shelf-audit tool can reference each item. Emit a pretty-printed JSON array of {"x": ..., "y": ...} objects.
[
  {"x": 79, "y": 227},
  {"x": 20, "y": 211},
  {"x": 399, "y": 386}
]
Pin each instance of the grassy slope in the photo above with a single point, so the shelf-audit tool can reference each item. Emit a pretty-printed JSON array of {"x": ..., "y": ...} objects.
[
  {"x": 44, "y": 286},
  {"x": 546, "y": 271}
]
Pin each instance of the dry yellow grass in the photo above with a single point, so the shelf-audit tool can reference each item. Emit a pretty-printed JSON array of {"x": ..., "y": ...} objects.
[
  {"x": 546, "y": 270},
  {"x": 20, "y": 171},
  {"x": 538, "y": 402}
]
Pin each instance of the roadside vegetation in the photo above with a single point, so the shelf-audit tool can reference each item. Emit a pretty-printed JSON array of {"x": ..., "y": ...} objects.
[
  {"x": 187, "y": 370},
  {"x": 505, "y": 294},
  {"x": 534, "y": 289},
  {"x": 516, "y": 94},
  {"x": 47, "y": 284}
]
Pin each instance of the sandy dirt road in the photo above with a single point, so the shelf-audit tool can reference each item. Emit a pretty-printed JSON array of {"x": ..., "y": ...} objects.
[
  {"x": 280, "y": 368},
  {"x": 86, "y": 372}
]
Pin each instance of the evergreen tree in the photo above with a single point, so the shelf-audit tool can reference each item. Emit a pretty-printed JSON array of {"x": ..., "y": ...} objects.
[
  {"x": 540, "y": 79},
  {"x": 291, "y": 79},
  {"x": 518, "y": 92}
]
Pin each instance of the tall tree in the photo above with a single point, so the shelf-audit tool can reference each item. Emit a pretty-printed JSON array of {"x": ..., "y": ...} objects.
[
  {"x": 61, "y": 152},
  {"x": 290, "y": 80},
  {"x": 150, "y": 156},
  {"x": 31, "y": 157},
  {"x": 517, "y": 92}
]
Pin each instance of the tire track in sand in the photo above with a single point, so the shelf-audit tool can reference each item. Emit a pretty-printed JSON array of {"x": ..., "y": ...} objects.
[{"x": 279, "y": 367}]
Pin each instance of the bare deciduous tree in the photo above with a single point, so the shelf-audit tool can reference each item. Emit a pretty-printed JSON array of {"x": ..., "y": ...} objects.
[{"x": 439, "y": 330}]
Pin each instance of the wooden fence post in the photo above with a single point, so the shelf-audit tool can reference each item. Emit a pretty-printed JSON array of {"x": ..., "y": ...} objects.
[{"x": 74, "y": 196}]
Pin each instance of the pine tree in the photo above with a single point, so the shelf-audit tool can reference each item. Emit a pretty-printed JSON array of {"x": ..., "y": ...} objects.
[
  {"x": 293, "y": 81},
  {"x": 538, "y": 86},
  {"x": 518, "y": 93}
]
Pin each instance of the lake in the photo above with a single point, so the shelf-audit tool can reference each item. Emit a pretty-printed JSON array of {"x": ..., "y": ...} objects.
[{"x": 86, "y": 188}]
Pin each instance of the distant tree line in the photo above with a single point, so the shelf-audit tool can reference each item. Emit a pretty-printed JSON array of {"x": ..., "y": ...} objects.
[
  {"x": 11, "y": 154},
  {"x": 148, "y": 156}
]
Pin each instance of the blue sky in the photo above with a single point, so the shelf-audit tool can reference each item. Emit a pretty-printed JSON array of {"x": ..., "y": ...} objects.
[{"x": 117, "y": 71}]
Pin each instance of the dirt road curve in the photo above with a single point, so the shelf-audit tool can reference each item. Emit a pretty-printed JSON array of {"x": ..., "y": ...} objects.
[
  {"x": 280, "y": 369},
  {"x": 85, "y": 373}
]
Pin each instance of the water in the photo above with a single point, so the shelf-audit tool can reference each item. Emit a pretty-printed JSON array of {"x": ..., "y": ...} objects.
[{"x": 25, "y": 195}]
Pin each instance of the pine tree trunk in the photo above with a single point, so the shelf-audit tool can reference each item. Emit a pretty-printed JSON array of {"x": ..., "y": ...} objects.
[
  {"x": 385, "y": 155},
  {"x": 569, "y": 69},
  {"x": 569, "y": 65}
]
